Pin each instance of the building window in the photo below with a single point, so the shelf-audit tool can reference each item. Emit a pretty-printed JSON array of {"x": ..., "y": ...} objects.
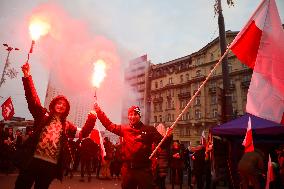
[
  {"x": 170, "y": 80},
  {"x": 212, "y": 56},
  {"x": 182, "y": 104},
  {"x": 169, "y": 117},
  {"x": 214, "y": 99},
  {"x": 183, "y": 117},
  {"x": 181, "y": 78},
  {"x": 156, "y": 84},
  {"x": 187, "y": 77},
  {"x": 155, "y": 108},
  {"x": 161, "y": 107},
  {"x": 197, "y": 100},
  {"x": 161, "y": 83},
  {"x": 198, "y": 61},
  {"x": 187, "y": 116},
  {"x": 197, "y": 114},
  {"x": 155, "y": 119},
  {"x": 198, "y": 73},
  {"x": 215, "y": 113},
  {"x": 161, "y": 119},
  {"x": 230, "y": 67}
]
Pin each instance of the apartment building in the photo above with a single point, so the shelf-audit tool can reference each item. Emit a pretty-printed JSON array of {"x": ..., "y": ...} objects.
[{"x": 173, "y": 84}]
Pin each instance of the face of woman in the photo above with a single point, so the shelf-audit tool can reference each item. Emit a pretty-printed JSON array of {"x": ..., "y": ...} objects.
[
  {"x": 60, "y": 106},
  {"x": 133, "y": 117}
]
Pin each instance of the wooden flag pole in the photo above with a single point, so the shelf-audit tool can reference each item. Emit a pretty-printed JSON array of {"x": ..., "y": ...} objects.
[{"x": 188, "y": 104}]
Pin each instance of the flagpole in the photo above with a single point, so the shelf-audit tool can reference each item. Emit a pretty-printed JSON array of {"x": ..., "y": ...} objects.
[{"x": 187, "y": 106}]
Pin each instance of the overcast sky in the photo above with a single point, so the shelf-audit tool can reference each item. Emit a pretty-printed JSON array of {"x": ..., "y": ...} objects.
[{"x": 116, "y": 30}]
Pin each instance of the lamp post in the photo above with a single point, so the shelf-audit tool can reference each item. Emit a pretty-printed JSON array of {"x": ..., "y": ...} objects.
[
  {"x": 226, "y": 105},
  {"x": 12, "y": 72}
]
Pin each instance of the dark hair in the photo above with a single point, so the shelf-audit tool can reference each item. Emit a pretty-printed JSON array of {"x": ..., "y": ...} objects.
[{"x": 55, "y": 100}]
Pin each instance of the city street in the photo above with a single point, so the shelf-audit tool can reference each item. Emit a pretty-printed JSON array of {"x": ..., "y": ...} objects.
[{"x": 7, "y": 182}]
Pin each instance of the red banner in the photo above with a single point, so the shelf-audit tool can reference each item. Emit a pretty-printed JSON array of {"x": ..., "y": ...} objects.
[{"x": 8, "y": 109}]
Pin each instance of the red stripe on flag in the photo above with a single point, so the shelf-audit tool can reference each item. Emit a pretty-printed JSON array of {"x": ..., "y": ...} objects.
[{"x": 246, "y": 48}]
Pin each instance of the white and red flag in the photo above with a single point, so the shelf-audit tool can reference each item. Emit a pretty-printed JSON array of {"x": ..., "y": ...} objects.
[
  {"x": 203, "y": 138},
  {"x": 8, "y": 109},
  {"x": 248, "y": 141},
  {"x": 270, "y": 174},
  {"x": 260, "y": 45},
  {"x": 97, "y": 138}
]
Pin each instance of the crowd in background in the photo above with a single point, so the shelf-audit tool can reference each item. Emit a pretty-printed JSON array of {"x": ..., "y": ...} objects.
[{"x": 178, "y": 164}]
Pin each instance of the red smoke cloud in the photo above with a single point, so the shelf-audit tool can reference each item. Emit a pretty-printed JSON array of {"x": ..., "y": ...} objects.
[{"x": 69, "y": 50}]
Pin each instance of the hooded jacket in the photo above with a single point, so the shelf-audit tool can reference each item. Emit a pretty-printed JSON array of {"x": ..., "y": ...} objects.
[{"x": 42, "y": 118}]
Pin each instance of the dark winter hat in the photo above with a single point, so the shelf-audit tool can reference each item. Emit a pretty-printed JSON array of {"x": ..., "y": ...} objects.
[
  {"x": 53, "y": 102},
  {"x": 135, "y": 109}
]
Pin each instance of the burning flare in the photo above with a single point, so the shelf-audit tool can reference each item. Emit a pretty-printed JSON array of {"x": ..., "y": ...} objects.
[
  {"x": 38, "y": 28},
  {"x": 99, "y": 73}
]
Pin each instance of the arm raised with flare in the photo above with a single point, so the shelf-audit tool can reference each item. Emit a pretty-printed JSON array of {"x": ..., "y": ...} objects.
[{"x": 32, "y": 98}]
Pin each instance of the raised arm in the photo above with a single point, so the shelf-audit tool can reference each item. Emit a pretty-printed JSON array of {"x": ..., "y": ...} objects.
[
  {"x": 32, "y": 98},
  {"x": 89, "y": 125},
  {"x": 116, "y": 129}
]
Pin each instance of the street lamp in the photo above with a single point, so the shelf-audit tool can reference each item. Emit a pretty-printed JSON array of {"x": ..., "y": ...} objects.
[
  {"x": 227, "y": 104},
  {"x": 12, "y": 73}
]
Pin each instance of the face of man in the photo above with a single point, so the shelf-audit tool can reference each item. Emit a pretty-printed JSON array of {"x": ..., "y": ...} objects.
[
  {"x": 10, "y": 131},
  {"x": 133, "y": 117},
  {"x": 60, "y": 106}
]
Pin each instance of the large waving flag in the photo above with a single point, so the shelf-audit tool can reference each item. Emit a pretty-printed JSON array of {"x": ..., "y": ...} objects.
[
  {"x": 260, "y": 45},
  {"x": 248, "y": 141}
]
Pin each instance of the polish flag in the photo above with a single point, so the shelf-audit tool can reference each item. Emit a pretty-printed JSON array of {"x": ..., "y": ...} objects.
[
  {"x": 8, "y": 109},
  {"x": 248, "y": 141},
  {"x": 97, "y": 138},
  {"x": 260, "y": 45},
  {"x": 203, "y": 138},
  {"x": 270, "y": 174}
]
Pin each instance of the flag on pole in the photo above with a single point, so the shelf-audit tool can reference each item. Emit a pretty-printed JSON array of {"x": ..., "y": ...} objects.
[
  {"x": 248, "y": 141},
  {"x": 97, "y": 138},
  {"x": 260, "y": 45},
  {"x": 203, "y": 138},
  {"x": 8, "y": 109},
  {"x": 269, "y": 175}
]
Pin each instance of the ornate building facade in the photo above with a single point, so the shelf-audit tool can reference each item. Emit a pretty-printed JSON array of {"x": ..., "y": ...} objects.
[{"x": 174, "y": 83}]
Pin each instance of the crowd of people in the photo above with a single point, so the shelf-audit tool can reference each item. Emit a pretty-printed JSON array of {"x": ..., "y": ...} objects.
[{"x": 170, "y": 163}]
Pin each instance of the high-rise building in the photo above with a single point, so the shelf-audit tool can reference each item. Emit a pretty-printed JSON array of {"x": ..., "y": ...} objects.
[{"x": 137, "y": 79}]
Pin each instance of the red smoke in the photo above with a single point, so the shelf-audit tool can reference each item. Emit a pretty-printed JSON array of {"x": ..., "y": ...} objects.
[{"x": 69, "y": 51}]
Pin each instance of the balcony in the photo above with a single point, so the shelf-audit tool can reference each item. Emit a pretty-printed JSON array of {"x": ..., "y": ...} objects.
[{"x": 184, "y": 95}]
